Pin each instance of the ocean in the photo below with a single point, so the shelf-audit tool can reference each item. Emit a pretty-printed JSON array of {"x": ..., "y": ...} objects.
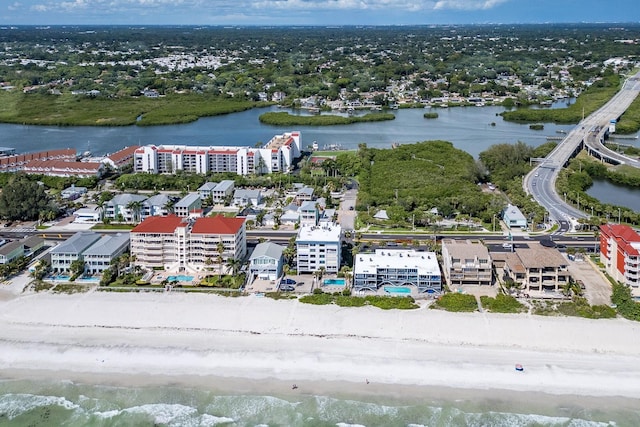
[{"x": 65, "y": 403}]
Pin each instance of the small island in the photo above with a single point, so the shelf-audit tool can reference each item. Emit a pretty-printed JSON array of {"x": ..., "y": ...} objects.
[
  {"x": 286, "y": 119},
  {"x": 430, "y": 115},
  {"x": 536, "y": 126}
]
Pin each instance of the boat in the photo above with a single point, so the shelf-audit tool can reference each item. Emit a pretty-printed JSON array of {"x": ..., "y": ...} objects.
[{"x": 519, "y": 367}]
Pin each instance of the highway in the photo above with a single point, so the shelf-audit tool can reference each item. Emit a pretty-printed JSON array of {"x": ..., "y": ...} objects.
[{"x": 541, "y": 181}]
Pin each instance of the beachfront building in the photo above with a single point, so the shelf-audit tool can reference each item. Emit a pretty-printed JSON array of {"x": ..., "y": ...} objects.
[
  {"x": 181, "y": 244},
  {"x": 125, "y": 207},
  {"x": 188, "y": 205},
  {"x": 620, "y": 253},
  {"x": 70, "y": 250},
  {"x": 275, "y": 156},
  {"x": 536, "y": 268},
  {"x": 98, "y": 257},
  {"x": 397, "y": 267},
  {"x": 16, "y": 249},
  {"x": 318, "y": 248},
  {"x": 266, "y": 261},
  {"x": 466, "y": 262},
  {"x": 513, "y": 218}
]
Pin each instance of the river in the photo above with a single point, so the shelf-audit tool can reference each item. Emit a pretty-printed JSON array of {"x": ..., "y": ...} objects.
[{"x": 468, "y": 128}]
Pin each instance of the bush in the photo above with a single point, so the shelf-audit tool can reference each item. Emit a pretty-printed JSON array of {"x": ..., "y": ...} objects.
[
  {"x": 502, "y": 304},
  {"x": 626, "y": 306},
  {"x": 456, "y": 302}
]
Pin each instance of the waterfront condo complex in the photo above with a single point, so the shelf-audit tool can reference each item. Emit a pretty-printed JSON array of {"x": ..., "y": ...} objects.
[{"x": 275, "y": 156}]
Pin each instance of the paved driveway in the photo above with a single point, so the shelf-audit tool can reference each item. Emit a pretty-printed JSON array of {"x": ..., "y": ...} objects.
[
  {"x": 347, "y": 210},
  {"x": 597, "y": 287}
]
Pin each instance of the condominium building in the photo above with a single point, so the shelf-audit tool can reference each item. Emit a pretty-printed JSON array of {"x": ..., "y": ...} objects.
[
  {"x": 71, "y": 249},
  {"x": 100, "y": 255},
  {"x": 620, "y": 253},
  {"x": 318, "y": 247},
  {"x": 397, "y": 267},
  {"x": 182, "y": 244},
  {"x": 466, "y": 262},
  {"x": 275, "y": 156},
  {"x": 536, "y": 268}
]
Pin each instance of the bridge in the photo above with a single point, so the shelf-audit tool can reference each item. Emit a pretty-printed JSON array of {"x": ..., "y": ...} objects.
[{"x": 590, "y": 133}]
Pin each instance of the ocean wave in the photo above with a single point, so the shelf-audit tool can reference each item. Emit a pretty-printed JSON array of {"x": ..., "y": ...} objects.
[
  {"x": 14, "y": 405},
  {"x": 169, "y": 414}
]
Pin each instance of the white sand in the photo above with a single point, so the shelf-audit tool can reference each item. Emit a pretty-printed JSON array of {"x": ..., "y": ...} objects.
[{"x": 184, "y": 335}]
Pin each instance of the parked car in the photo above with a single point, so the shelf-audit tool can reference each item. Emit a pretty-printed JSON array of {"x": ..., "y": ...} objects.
[
  {"x": 288, "y": 281},
  {"x": 287, "y": 288}
]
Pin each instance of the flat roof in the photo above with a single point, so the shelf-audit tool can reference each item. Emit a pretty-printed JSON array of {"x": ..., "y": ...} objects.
[
  {"x": 330, "y": 233},
  {"x": 426, "y": 263}
]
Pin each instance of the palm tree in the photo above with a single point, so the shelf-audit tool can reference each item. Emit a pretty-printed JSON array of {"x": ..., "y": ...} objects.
[
  {"x": 234, "y": 265},
  {"x": 135, "y": 207},
  {"x": 169, "y": 205},
  {"x": 220, "y": 249}
]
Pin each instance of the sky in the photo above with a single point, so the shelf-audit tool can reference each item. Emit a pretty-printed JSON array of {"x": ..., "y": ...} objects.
[{"x": 312, "y": 12}]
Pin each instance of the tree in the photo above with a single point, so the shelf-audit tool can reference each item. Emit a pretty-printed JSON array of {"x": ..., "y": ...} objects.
[
  {"x": 77, "y": 267},
  {"x": 135, "y": 207},
  {"x": 22, "y": 199},
  {"x": 234, "y": 265}
]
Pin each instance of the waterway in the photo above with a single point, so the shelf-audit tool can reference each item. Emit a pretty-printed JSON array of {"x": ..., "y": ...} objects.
[
  {"x": 614, "y": 194},
  {"x": 468, "y": 128}
]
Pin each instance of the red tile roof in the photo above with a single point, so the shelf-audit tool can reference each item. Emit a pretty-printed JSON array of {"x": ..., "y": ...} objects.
[
  {"x": 159, "y": 224},
  {"x": 123, "y": 155},
  {"x": 218, "y": 224},
  {"x": 624, "y": 236}
]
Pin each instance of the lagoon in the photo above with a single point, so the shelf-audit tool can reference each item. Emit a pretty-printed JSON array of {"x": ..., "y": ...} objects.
[
  {"x": 468, "y": 128},
  {"x": 614, "y": 194}
]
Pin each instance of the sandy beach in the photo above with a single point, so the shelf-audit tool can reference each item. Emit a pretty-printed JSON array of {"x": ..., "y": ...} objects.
[{"x": 177, "y": 338}]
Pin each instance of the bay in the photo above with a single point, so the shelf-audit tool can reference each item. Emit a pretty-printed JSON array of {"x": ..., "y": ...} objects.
[
  {"x": 614, "y": 194},
  {"x": 468, "y": 128}
]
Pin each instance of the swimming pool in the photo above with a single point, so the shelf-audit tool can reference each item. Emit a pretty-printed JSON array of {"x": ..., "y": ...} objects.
[
  {"x": 401, "y": 290},
  {"x": 333, "y": 282},
  {"x": 180, "y": 278}
]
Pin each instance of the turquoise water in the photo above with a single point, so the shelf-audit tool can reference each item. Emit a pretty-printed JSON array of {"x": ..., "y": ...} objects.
[
  {"x": 180, "y": 278},
  {"x": 334, "y": 282},
  {"x": 397, "y": 290},
  {"x": 25, "y": 403}
]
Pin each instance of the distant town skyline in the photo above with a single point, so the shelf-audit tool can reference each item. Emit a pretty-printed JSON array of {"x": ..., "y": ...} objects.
[{"x": 313, "y": 12}]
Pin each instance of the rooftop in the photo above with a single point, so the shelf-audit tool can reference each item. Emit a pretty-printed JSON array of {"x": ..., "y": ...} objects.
[
  {"x": 125, "y": 199},
  {"x": 321, "y": 233},
  {"x": 268, "y": 249},
  {"x": 218, "y": 224},
  {"x": 108, "y": 244},
  {"x": 159, "y": 224},
  {"x": 426, "y": 263},
  {"x": 77, "y": 243},
  {"x": 188, "y": 200},
  {"x": 465, "y": 249}
]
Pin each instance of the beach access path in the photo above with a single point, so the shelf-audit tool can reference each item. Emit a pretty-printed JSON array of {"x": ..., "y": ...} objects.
[{"x": 177, "y": 336}]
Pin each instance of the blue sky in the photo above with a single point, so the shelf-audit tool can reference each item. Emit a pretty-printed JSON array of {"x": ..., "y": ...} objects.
[{"x": 313, "y": 12}]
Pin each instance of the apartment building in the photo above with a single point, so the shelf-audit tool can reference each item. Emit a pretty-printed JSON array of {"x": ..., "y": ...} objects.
[
  {"x": 620, "y": 253},
  {"x": 71, "y": 249},
  {"x": 466, "y": 262},
  {"x": 397, "y": 267},
  {"x": 536, "y": 268},
  {"x": 181, "y": 244},
  {"x": 319, "y": 247},
  {"x": 275, "y": 156}
]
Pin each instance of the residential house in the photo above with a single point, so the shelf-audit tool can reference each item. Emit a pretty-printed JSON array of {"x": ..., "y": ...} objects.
[
  {"x": 11, "y": 251},
  {"x": 125, "y": 207},
  {"x": 223, "y": 190},
  {"x": 158, "y": 205},
  {"x": 243, "y": 197},
  {"x": 397, "y": 267},
  {"x": 187, "y": 205},
  {"x": 206, "y": 189},
  {"x": 513, "y": 218},
  {"x": 266, "y": 261},
  {"x": 98, "y": 257},
  {"x": 71, "y": 249},
  {"x": 304, "y": 194},
  {"x": 620, "y": 253},
  {"x": 319, "y": 247},
  {"x": 466, "y": 262},
  {"x": 308, "y": 213},
  {"x": 73, "y": 192}
]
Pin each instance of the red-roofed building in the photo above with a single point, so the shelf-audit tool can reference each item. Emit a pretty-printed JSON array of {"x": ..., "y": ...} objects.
[
  {"x": 183, "y": 245},
  {"x": 122, "y": 157},
  {"x": 620, "y": 253},
  {"x": 64, "y": 168},
  {"x": 17, "y": 162}
]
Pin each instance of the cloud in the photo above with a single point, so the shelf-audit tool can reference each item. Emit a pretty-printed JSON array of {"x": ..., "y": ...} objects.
[{"x": 467, "y": 4}]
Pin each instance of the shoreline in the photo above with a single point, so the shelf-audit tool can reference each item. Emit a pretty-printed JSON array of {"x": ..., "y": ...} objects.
[{"x": 259, "y": 343}]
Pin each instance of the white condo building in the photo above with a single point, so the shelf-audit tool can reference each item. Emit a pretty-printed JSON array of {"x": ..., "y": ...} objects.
[
  {"x": 275, "y": 156},
  {"x": 319, "y": 247}
]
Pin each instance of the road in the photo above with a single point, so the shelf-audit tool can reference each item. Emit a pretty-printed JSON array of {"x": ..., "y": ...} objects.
[{"x": 540, "y": 183}]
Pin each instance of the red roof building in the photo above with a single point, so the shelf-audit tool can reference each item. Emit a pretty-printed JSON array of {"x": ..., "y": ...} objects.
[
  {"x": 122, "y": 157},
  {"x": 620, "y": 253},
  {"x": 63, "y": 168}
]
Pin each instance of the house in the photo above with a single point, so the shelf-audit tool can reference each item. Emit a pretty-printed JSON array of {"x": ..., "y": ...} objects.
[
  {"x": 73, "y": 192},
  {"x": 188, "y": 204},
  {"x": 319, "y": 248},
  {"x": 247, "y": 197},
  {"x": 397, "y": 267},
  {"x": 536, "y": 268},
  {"x": 304, "y": 194},
  {"x": 11, "y": 251},
  {"x": 223, "y": 190},
  {"x": 160, "y": 204},
  {"x": 180, "y": 244},
  {"x": 266, "y": 262},
  {"x": 308, "y": 213},
  {"x": 206, "y": 189},
  {"x": 87, "y": 215},
  {"x": 32, "y": 245},
  {"x": 513, "y": 218},
  {"x": 620, "y": 253},
  {"x": 125, "y": 207},
  {"x": 71, "y": 249},
  {"x": 466, "y": 262},
  {"x": 98, "y": 257}
]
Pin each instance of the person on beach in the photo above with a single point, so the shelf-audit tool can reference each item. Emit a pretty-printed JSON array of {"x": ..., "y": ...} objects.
[{"x": 293, "y": 387}]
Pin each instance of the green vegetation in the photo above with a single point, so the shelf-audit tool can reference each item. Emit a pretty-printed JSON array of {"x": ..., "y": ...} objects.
[
  {"x": 456, "y": 302},
  {"x": 502, "y": 304},
  {"x": 112, "y": 227},
  {"x": 577, "y": 307},
  {"x": 23, "y": 199},
  {"x": 430, "y": 115},
  {"x": 410, "y": 180},
  {"x": 286, "y": 119},
  {"x": 625, "y": 304},
  {"x": 74, "y": 110},
  {"x": 382, "y": 302},
  {"x": 630, "y": 120},
  {"x": 589, "y": 101},
  {"x": 536, "y": 126},
  {"x": 52, "y": 182}
]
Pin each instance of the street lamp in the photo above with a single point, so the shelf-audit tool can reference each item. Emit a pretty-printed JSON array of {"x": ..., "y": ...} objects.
[{"x": 591, "y": 210}]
